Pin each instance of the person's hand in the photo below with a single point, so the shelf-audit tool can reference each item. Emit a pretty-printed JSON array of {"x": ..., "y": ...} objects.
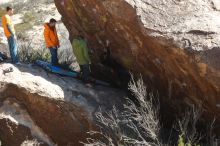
[{"x": 15, "y": 37}]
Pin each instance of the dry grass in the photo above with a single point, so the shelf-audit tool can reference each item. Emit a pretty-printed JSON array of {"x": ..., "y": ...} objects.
[
  {"x": 137, "y": 125},
  {"x": 189, "y": 135},
  {"x": 31, "y": 143},
  {"x": 140, "y": 125},
  {"x": 28, "y": 22},
  {"x": 29, "y": 54}
]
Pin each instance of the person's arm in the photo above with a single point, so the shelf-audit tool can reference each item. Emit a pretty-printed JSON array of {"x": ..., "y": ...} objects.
[
  {"x": 86, "y": 53},
  {"x": 10, "y": 29},
  {"x": 47, "y": 38}
]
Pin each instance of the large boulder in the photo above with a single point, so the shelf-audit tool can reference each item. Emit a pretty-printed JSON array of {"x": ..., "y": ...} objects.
[
  {"x": 173, "y": 44},
  {"x": 36, "y": 106}
]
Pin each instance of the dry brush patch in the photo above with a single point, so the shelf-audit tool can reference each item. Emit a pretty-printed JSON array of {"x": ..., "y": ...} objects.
[{"x": 140, "y": 124}]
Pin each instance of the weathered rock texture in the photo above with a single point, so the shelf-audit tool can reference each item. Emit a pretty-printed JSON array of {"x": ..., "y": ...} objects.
[
  {"x": 51, "y": 109},
  {"x": 172, "y": 43}
]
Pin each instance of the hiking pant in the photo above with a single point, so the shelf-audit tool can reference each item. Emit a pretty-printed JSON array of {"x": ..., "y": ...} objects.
[
  {"x": 13, "y": 49},
  {"x": 85, "y": 71},
  {"x": 54, "y": 58}
]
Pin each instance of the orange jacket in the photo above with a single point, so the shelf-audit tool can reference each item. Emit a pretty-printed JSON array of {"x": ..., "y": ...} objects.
[{"x": 50, "y": 36}]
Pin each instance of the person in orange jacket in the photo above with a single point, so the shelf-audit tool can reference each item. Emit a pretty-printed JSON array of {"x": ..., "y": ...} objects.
[
  {"x": 52, "y": 40},
  {"x": 9, "y": 31}
]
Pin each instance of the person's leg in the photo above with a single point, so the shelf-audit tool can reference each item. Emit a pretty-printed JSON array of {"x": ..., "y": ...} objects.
[
  {"x": 54, "y": 59},
  {"x": 81, "y": 69},
  {"x": 52, "y": 55},
  {"x": 82, "y": 72},
  {"x": 13, "y": 49},
  {"x": 85, "y": 73},
  {"x": 9, "y": 47}
]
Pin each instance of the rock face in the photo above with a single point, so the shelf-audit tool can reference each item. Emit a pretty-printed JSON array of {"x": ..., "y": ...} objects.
[
  {"x": 173, "y": 44},
  {"x": 38, "y": 107}
]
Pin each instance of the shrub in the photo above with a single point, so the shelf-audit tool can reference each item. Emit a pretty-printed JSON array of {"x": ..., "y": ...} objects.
[
  {"x": 29, "y": 54},
  {"x": 66, "y": 56},
  {"x": 31, "y": 143},
  {"x": 189, "y": 135},
  {"x": 139, "y": 124}
]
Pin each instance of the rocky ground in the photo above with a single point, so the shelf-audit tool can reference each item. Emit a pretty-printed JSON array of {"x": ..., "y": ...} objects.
[{"x": 48, "y": 109}]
